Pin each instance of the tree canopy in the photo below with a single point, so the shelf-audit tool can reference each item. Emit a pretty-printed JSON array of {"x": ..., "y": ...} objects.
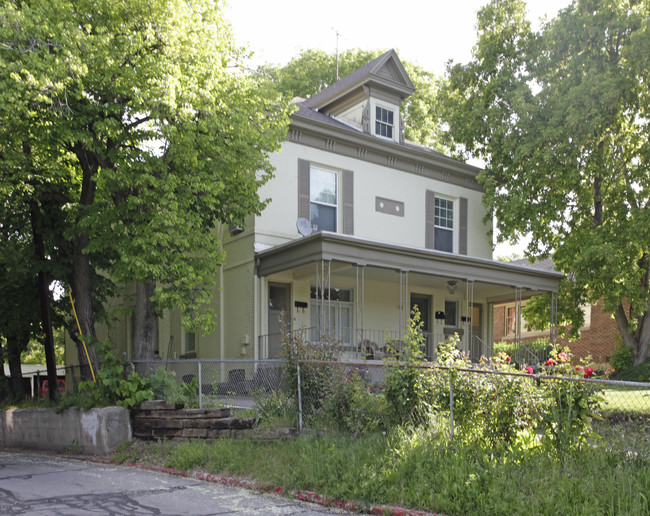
[
  {"x": 560, "y": 117},
  {"x": 137, "y": 120},
  {"x": 314, "y": 70}
]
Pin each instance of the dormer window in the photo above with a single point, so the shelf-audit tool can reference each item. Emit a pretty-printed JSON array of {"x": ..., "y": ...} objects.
[{"x": 384, "y": 122}]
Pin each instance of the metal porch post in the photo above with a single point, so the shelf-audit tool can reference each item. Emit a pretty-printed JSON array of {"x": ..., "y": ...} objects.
[
  {"x": 518, "y": 315},
  {"x": 360, "y": 303},
  {"x": 404, "y": 309},
  {"x": 469, "y": 309}
]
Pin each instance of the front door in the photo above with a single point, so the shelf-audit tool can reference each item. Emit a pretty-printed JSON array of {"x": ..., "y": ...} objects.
[
  {"x": 423, "y": 303},
  {"x": 279, "y": 310}
]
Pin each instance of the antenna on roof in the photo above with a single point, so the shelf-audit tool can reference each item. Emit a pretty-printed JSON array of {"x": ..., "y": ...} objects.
[{"x": 337, "y": 52}]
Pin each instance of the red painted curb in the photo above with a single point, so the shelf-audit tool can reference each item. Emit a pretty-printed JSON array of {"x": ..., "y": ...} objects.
[{"x": 253, "y": 485}]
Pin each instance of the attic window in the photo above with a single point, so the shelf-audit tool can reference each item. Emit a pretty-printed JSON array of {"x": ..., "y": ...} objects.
[{"x": 384, "y": 122}]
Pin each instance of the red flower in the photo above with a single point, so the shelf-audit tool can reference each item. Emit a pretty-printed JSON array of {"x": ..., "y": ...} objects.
[
  {"x": 529, "y": 370},
  {"x": 578, "y": 368},
  {"x": 550, "y": 361},
  {"x": 561, "y": 356},
  {"x": 508, "y": 359},
  {"x": 588, "y": 372}
]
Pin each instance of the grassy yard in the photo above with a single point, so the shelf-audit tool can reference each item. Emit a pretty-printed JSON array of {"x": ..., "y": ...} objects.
[
  {"x": 622, "y": 399},
  {"x": 425, "y": 470}
]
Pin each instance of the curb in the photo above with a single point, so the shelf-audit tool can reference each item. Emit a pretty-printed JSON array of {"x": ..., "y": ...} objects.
[{"x": 253, "y": 485}]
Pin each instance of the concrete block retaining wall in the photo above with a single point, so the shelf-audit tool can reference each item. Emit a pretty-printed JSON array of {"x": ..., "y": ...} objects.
[{"x": 96, "y": 431}]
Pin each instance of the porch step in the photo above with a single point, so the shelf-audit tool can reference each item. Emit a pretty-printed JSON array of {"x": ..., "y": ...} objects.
[{"x": 159, "y": 419}]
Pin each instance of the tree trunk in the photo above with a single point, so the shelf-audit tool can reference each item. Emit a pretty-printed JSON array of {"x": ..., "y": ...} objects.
[
  {"x": 146, "y": 323},
  {"x": 4, "y": 383},
  {"x": 643, "y": 338},
  {"x": 81, "y": 281},
  {"x": 15, "y": 346},
  {"x": 637, "y": 342},
  {"x": 44, "y": 299}
]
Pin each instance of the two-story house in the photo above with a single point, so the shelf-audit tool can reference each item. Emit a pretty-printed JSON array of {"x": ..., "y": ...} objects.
[{"x": 362, "y": 225}]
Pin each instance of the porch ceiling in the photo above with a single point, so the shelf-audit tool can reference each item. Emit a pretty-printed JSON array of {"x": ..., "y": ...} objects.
[{"x": 425, "y": 267}]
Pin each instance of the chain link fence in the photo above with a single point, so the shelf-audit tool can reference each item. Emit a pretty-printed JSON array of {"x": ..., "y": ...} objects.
[
  {"x": 465, "y": 395},
  {"x": 363, "y": 396},
  {"x": 234, "y": 383}
]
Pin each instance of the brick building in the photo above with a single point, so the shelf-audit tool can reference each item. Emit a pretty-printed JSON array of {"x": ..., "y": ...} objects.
[{"x": 598, "y": 336}]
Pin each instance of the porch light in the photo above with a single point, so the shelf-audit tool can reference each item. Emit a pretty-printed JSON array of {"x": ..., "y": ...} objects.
[{"x": 451, "y": 286}]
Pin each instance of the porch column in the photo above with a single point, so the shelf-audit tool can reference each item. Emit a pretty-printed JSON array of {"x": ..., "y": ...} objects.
[
  {"x": 553, "y": 328},
  {"x": 404, "y": 308},
  {"x": 518, "y": 314},
  {"x": 469, "y": 309},
  {"x": 360, "y": 303}
]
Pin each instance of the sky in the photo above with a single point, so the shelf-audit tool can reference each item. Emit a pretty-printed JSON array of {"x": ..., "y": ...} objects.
[{"x": 428, "y": 33}]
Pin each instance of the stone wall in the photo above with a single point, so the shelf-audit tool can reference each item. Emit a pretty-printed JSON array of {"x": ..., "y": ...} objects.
[{"x": 96, "y": 431}]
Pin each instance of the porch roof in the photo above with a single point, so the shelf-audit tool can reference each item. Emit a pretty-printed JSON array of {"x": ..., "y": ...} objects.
[{"x": 364, "y": 252}]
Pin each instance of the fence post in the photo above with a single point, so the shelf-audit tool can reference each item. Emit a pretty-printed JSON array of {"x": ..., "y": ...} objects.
[
  {"x": 451, "y": 405},
  {"x": 200, "y": 388},
  {"x": 299, "y": 398}
]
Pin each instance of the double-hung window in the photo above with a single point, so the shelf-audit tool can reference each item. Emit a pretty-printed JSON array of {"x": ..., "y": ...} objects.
[
  {"x": 323, "y": 198},
  {"x": 332, "y": 313},
  {"x": 443, "y": 224},
  {"x": 384, "y": 125},
  {"x": 511, "y": 320}
]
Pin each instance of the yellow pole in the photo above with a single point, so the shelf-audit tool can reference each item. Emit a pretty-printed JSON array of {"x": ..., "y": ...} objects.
[{"x": 81, "y": 334}]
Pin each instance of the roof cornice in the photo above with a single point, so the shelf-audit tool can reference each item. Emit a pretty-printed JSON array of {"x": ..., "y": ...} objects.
[{"x": 336, "y": 137}]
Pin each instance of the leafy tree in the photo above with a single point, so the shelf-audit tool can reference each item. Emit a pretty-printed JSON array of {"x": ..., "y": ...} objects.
[
  {"x": 560, "y": 117},
  {"x": 34, "y": 353},
  {"x": 139, "y": 112},
  {"x": 314, "y": 70}
]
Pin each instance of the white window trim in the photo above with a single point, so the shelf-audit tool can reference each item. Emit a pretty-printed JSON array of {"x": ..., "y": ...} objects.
[
  {"x": 455, "y": 215},
  {"x": 337, "y": 206},
  {"x": 374, "y": 104},
  {"x": 525, "y": 332},
  {"x": 184, "y": 334}
]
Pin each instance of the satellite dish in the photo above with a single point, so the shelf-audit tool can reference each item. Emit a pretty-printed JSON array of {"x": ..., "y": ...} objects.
[{"x": 304, "y": 226}]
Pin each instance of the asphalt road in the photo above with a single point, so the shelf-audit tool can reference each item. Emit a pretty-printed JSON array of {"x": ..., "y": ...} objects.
[{"x": 37, "y": 484}]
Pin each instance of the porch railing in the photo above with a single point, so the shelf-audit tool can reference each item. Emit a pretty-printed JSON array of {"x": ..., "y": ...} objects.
[
  {"x": 534, "y": 350},
  {"x": 365, "y": 343}
]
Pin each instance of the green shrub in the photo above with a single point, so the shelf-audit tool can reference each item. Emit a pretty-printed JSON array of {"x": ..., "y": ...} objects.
[
  {"x": 622, "y": 359},
  {"x": 315, "y": 379},
  {"x": 353, "y": 408},
  {"x": 165, "y": 386},
  {"x": 640, "y": 373},
  {"x": 111, "y": 387},
  {"x": 571, "y": 406},
  {"x": 407, "y": 386},
  {"x": 275, "y": 408}
]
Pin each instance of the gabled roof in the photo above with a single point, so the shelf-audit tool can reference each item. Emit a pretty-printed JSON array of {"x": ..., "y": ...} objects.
[{"x": 385, "y": 72}]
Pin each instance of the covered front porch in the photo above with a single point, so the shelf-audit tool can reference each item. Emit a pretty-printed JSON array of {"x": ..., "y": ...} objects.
[{"x": 359, "y": 294}]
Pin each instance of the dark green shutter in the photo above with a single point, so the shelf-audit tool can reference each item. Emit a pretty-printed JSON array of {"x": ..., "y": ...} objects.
[
  {"x": 429, "y": 226},
  {"x": 303, "y": 189},
  {"x": 462, "y": 227},
  {"x": 348, "y": 202}
]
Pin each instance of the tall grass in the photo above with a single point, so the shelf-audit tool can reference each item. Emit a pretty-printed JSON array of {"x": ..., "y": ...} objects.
[{"x": 422, "y": 468}]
